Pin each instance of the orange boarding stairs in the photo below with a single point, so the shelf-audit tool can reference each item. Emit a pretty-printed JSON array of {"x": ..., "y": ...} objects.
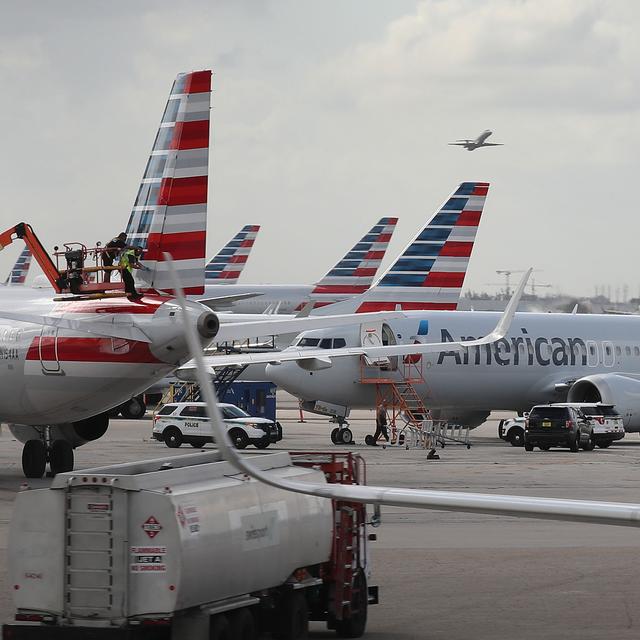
[{"x": 396, "y": 390}]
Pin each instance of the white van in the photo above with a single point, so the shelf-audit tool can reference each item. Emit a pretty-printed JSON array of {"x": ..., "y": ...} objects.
[{"x": 179, "y": 422}]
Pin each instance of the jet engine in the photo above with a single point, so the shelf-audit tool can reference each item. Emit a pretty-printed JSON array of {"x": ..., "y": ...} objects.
[{"x": 618, "y": 389}]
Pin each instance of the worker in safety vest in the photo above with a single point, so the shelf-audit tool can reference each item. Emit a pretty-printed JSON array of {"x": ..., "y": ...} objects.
[
  {"x": 129, "y": 260},
  {"x": 111, "y": 251}
]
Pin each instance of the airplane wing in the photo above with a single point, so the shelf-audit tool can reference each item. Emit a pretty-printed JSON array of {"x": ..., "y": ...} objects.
[
  {"x": 460, "y": 144},
  {"x": 615, "y": 513},
  {"x": 220, "y": 302},
  {"x": 273, "y": 325},
  {"x": 98, "y": 328},
  {"x": 321, "y": 358},
  {"x": 492, "y": 144}
]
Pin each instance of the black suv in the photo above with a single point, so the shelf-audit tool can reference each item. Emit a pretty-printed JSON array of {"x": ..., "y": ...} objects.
[{"x": 553, "y": 426}]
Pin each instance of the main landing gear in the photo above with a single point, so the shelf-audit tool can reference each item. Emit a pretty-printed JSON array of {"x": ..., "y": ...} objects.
[
  {"x": 36, "y": 454},
  {"x": 342, "y": 434}
]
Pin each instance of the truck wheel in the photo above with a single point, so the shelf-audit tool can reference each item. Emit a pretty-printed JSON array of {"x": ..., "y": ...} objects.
[
  {"x": 528, "y": 447},
  {"x": 516, "y": 436},
  {"x": 604, "y": 444},
  {"x": 243, "y": 625},
  {"x": 590, "y": 445},
  {"x": 293, "y": 618},
  {"x": 172, "y": 437},
  {"x": 198, "y": 443},
  {"x": 335, "y": 433},
  {"x": 574, "y": 446},
  {"x": 355, "y": 625},
  {"x": 133, "y": 409},
  {"x": 61, "y": 457},
  {"x": 34, "y": 458},
  {"x": 239, "y": 438},
  {"x": 219, "y": 628}
]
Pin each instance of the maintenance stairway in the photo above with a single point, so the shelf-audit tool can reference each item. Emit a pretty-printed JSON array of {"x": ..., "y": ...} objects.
[{"x": 396, "y": 391}]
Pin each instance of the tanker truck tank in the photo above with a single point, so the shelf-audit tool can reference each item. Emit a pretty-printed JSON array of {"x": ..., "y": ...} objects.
[{"x": 179, "y": 543}]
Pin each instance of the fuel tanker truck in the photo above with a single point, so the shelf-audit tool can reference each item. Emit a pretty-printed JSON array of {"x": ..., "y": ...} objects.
[{"x": 188, "y": 548}]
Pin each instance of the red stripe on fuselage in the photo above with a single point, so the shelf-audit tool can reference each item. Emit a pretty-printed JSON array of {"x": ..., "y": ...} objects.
[
  {"x": 72, "y": 349},
  {"x": 366, "y": 307},
  {"x": 186, "y": 245},
  {"x": 178, "y": 191},
  {"x": 147, "y": 305}
]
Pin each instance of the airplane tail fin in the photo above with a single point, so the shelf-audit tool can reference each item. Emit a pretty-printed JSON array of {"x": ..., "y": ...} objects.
[
  {"x": 357, "y": 269},
  {"x": 18, "y": 274},
  {"x": 430, "y": 272},
  {"x": 170, "y": 211},
  {"x": 227, "y": 265}
]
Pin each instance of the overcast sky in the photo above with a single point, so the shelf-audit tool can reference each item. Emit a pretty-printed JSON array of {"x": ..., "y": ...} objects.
[{"x": 328, "y": 115}]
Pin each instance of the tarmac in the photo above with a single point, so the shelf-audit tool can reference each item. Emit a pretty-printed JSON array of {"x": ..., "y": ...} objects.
[{"x": 447, "y": 575}]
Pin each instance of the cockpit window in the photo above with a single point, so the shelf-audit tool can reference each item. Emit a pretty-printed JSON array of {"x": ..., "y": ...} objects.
[
  {"x": 325, "y": 343},
  {"x": 309, "y": 342},
  {"x": 339, "y": 343}
]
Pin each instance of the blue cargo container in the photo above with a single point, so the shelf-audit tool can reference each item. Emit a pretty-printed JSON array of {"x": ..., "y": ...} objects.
[{"x": 256, "y": 398}]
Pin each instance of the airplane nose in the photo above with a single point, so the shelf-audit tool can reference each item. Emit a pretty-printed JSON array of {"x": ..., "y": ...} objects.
[{"x": 287, "y": 375}]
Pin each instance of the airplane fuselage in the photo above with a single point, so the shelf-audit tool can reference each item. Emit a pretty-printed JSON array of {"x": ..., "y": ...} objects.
[
  {"x": 51, "y": 375},
  {"x": 537, "y": 361}
]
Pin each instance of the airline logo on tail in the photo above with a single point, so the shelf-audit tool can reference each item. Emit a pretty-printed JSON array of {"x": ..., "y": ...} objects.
[
  {"x": 227, "y": 265},
  {"x": 170, "y": 211},
  {"x": 357, "y": 269},
  {"x": 430, "y": 272},
  {"x": 18, "y": 274}
]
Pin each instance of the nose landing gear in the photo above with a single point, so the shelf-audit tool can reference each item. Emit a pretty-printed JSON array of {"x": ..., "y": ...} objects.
[
  {"x": 342, "y": 434},
  {"x": 36, "y": 453}
]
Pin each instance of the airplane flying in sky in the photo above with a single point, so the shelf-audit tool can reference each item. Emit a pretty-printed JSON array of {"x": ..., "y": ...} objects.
[
  {"x": 352, "y": 275},
  {"x": 227, "y": 265},
  {"x": 66, "y": 360},
  {"x": 20, "y": 270},
  {"x": 480, "y": 141}
]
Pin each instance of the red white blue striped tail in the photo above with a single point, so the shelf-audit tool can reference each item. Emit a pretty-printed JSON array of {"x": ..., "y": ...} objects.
[
  {"x": 170, "y": 211},
  {"x": 226, "y": 266},
  {"x": 430, "y": 272},
  {"x": 18, "y": 274},
  {"x": 357, "y": 269}
]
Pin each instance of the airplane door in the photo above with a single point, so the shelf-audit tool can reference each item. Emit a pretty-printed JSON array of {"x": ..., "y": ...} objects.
[
  {"x": 48, "y": 349},
  {"x": 371, "y": 336}
]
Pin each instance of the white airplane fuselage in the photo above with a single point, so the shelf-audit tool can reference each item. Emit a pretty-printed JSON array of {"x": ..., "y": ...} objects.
[
  {"x": 52, "y": 376},
  {"x": 542, "y": 355}
]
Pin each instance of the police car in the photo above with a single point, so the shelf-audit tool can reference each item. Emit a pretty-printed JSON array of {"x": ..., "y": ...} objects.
[{"x": 179, "y": 422}]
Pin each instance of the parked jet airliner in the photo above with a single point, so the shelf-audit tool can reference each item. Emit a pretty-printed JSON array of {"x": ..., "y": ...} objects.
[
  {"x": 65, "y": 362},
  {"x": 480, "y": 141}
]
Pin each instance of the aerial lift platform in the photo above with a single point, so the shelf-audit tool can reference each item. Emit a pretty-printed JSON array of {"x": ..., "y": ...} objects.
[{"x": 81, "y": 281}]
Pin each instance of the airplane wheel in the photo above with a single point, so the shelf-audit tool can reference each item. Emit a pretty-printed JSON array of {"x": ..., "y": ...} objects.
[
  {"x": 61, "y": 457},
  {"x": 346, "y": 436},
  {"x": 134, "y": 409},
  {"x": 335, "y": 436},
  {"x": 34, "y": 459}
]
